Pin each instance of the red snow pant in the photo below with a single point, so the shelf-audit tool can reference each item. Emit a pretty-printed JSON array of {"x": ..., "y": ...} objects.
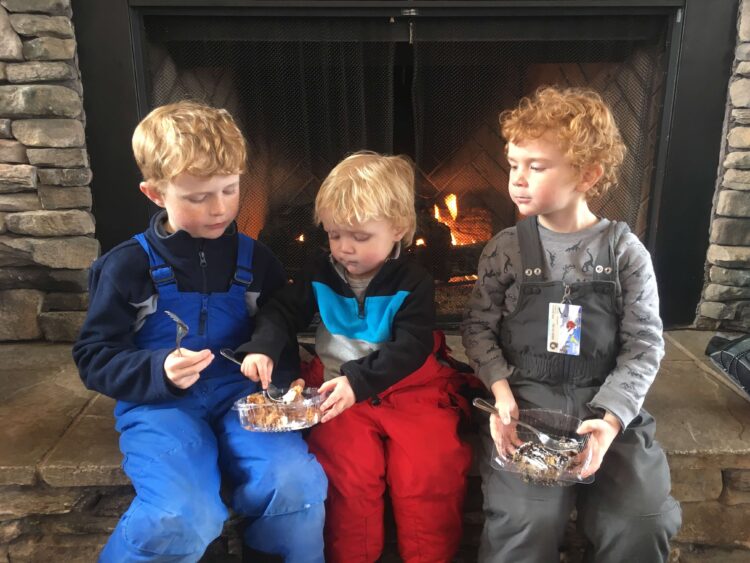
[{"x": 405, "y": 439}]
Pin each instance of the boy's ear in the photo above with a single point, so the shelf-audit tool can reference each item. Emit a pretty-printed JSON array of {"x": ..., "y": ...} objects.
[
  {"x": 398, "y": 234},
  {"x": 590, "y": 176},
  {"x": 152, "y": 193}
]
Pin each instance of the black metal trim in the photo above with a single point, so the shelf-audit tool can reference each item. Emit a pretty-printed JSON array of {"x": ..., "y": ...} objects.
[
  {"x": 407, "y": 4},
  {"x": 142, "y": 79},
  {"x": 673, "y": 48},
  {"x": 680, "y": 227},
  {"x": 353, "y": 9}
]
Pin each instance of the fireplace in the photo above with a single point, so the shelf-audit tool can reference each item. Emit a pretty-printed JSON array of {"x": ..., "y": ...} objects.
[{"x": 309, "y": 84}]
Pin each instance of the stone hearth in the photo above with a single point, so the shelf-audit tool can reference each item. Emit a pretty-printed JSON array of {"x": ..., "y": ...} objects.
[{"x": 62, "y": 488}]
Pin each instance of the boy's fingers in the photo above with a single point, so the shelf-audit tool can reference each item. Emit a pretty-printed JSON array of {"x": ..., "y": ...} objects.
[
  {"x": 328, "y": 403},
  {"x": 263, "y": 375},
  {"x": 503, "y": 414},
  {"x": 589, "y": 426},
  {"x": 516, "y": 441},
  {"x": 326, "y": 406},
  {"x": 251, "y": 373},
  {"x": 594, "y": 460}
]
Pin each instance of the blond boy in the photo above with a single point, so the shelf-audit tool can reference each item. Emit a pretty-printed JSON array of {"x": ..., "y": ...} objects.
[
  {"x": 388, "y": 419},
  {"x": 179, "y": 437},
  {"x": 563, "y": 148}
]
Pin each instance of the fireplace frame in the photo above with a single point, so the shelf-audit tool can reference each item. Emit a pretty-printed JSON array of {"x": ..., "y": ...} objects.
[{"x": 700, "y": 47}]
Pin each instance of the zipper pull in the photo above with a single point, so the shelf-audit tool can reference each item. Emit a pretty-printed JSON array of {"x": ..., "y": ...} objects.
[
  {"x": 202, "y": 258},
  {"x": 361, "y": 309}
]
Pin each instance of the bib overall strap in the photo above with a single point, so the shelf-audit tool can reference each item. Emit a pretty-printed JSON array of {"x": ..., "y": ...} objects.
[
  {"x": 243, "y": 275},
  {"x": 161, "y": 273},
  {"x": 605, "y": 265},
  {"x": 532, "y": 257}
]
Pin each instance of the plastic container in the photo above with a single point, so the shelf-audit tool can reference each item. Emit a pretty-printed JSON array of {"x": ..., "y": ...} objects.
[
  {"x": 259, "y": 414},
  {"x": 540, "y": 465}
]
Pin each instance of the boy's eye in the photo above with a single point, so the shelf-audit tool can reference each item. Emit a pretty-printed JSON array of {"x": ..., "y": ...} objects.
[
  {"x": 196, "y": 199},
  {"x": 333, "y": 235},
  {"x": 361, "y": 237},
  {"x": 230, "y": 191},
  {"x": 537, "y": 168}
]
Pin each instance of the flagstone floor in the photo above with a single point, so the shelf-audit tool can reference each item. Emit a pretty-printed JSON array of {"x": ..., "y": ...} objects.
[{"x": 59, "y": 455}]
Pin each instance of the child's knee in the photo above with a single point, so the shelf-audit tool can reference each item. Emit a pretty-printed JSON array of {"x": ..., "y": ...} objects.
[
  {"x": 612, "y": 527},
  {"x": 530, "y": 519},
  {"x": 185, "y": 527},
  {"x": 282, "y": 489}
]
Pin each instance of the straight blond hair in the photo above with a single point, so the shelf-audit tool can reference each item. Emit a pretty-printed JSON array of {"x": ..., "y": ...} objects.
[{"x": 367, "y": 186}]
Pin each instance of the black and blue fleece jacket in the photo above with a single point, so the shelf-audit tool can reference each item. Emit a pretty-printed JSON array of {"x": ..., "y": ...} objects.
[
  {"x": 122, "y": 295},
  {"x": 379, "y": 341}
]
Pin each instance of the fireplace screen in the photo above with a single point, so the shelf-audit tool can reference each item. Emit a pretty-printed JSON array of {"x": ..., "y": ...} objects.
[{"x": 308, "y": 93}]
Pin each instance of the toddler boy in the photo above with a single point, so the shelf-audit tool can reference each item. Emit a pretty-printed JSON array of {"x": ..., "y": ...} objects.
[{"x": 391, "y": 417}]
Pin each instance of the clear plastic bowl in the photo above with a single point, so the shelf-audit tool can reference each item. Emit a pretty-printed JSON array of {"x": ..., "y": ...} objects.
[
  {"x": 539, "y": 465},
  {"x": 270, "y": 416}
]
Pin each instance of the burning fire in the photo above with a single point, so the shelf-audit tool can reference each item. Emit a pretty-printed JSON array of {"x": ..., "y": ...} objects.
[
  {"x": 460, "y": 279},
  {"x": 420, "y": 242},
  {"x": 301, "y": 238},
  {"x": 458, "y": 238}
]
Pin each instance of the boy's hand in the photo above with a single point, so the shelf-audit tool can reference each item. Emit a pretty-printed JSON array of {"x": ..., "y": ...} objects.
[
  {"x": 501, "y": 427},
  {"x": 340, "y": 399},
  {"x": 601, "y": 434},
  {"x": 258, "y": 367},
  {"x": 182, "y": 367}
]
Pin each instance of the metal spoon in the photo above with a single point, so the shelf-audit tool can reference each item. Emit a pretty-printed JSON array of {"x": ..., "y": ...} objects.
[
  {"x": 182, "y": 330},
  {"x": 560, "y": 445},
  {"x": 272, "y": 392}
]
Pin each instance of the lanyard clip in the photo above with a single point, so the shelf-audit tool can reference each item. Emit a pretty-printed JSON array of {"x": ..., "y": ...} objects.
[{"x": 566, "y": 295}]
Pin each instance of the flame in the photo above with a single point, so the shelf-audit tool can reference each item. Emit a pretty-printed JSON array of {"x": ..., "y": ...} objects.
[
  {"x": 420, "y": 242},
  {"x": 451, "y": 202},
  {"x": 457, "y": 237},
  {"x": 301, "y": 238},
  {"x": 459, "y": 279}
]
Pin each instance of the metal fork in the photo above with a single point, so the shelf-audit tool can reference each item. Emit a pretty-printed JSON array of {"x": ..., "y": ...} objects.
[
  {"x": 182, "y": 330},
  {"x": 558, "y": 444},
  {"x": 272, "y": 392}
]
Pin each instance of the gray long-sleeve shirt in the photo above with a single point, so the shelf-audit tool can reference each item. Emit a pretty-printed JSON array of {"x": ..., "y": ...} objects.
[{"x": 570, "y": 257}]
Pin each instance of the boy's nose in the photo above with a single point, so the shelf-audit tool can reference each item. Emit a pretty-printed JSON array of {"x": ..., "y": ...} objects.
[
  {"x": 517, "y": 178},
  {"x": 218, "y": 207}
]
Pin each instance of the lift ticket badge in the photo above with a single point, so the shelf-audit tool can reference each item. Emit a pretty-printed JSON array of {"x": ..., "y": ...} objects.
[{"x": 564, "y": 329}]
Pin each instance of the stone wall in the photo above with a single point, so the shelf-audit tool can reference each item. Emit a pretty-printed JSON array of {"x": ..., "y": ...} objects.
[
  {"x": 46, "y": 228},
  {"x": 725, "y": 302}
]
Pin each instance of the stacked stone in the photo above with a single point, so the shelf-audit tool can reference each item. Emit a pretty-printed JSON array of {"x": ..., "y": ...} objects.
[
  {"x": 46, "y": 228},
  {"x": 726, "y": 293}
]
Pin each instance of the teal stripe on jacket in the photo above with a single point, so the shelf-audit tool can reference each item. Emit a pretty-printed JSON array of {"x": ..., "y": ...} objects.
[{"x": 341, "y": 314}]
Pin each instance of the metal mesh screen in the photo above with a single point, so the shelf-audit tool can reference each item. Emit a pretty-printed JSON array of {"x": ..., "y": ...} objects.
[
  {"x": 460, "y": 89},
  {"x": 302, "y": 107},
  {"x": 304, "y": 104}
]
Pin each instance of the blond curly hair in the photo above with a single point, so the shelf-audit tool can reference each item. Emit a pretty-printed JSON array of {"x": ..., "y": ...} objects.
[
  {"x": 578, "y": 119},
  {"x": 188, "y": 137},
  {"x": 368, "y": 186}
]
